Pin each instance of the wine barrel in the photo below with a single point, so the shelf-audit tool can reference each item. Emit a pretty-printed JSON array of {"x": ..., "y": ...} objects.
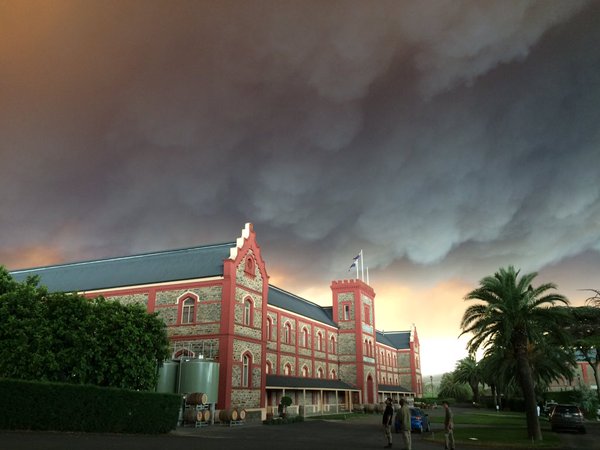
[
  {"x": 241, "y": 414},
  {"x": 205, "y": 415},
  {"x": 196, "y": 398},
  {"x": 192, "y": 415},
  {"x": 227, "y": 415}
]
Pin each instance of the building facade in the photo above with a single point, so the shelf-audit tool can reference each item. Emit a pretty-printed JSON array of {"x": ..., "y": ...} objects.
[{"x": 217, "y": 304}]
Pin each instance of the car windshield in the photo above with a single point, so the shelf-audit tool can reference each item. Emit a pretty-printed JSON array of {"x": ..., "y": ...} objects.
[{"x": 567, "y": 409}]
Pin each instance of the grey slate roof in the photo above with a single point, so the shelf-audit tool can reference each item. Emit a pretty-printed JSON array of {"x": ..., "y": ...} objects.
[
  {"x": 283, "y": 381},
  {"x": 396, "y": 339},
  {"x": 390, "y": 388},
  {"x": 157, "y": 267},
  {"x": 290, "y": 302}
]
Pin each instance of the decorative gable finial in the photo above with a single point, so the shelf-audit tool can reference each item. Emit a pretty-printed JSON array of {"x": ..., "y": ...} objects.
[{"x": 248, "y": 228}]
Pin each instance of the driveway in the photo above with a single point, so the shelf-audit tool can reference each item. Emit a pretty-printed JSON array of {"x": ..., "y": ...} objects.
[{"x": 363, "y": 433}]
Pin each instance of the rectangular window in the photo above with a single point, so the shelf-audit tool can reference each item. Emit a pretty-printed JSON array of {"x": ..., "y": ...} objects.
[{"x": 346, "y": 311}]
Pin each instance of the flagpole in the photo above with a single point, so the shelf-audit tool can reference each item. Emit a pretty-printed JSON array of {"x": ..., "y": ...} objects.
[
  {"x": 356, "y": 271},
  {"x": 368, "y": 275},
  {"x": 362, "y": 266}
]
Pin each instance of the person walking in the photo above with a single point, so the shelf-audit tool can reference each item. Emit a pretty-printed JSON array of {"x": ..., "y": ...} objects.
[
  {"x": 405, "y": 423},
  {"x": 388, "y": 414},
  {"x": 448, "y": 427}
]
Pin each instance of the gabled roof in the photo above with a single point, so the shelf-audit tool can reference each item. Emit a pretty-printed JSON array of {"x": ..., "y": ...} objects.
[
  {"x": 398, "y": 339},
  {"x": 290, "y": 302},
  {"x": 157, "y": 267},
  {"x": 284, "y": 381}
]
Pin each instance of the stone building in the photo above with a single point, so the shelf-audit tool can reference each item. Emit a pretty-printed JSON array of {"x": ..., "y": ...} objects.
[{"x": 217, "y": 303}]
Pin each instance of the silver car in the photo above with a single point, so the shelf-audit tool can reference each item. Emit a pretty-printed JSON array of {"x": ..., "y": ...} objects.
[{"x": 567, "y": 416}]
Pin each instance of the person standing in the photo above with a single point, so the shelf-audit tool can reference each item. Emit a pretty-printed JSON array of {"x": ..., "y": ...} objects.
[
  {"x": 448, "y": 427},
  {"x": 388, "y": 414},
  {"x": 405, "y": 423}
]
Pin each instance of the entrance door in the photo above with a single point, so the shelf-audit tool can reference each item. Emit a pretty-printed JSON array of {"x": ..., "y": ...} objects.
[{"x": 370, "y": 398}]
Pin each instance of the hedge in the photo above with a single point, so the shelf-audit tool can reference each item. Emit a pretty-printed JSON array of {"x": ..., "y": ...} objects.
[{"x": 30, "y": 405}]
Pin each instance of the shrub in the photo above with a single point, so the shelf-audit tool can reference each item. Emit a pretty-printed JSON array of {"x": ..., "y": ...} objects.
[{"x": 34, "y": 405}]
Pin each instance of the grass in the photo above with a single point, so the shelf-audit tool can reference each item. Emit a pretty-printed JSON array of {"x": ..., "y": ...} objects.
[{"x": 501, "y": 430}]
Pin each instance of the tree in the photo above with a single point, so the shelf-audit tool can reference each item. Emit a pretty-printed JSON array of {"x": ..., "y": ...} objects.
[
  {"x": 585, "y": 330},
  {"x": 468, "y": 371},
  {"x": 516, "y": 317},
  {"x": 451, "y": 388},
  {"x": 68, "y": 338},
  {"x": 594, "y": 300}
]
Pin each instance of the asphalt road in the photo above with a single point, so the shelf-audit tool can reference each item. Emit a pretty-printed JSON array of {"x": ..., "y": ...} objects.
[{"x": 363, "y": 433}]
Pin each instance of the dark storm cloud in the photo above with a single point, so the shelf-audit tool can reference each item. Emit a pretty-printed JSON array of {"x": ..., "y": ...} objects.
[{"x": 461, "y": 135}]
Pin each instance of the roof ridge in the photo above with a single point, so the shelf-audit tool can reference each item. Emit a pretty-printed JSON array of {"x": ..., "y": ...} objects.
[{"x": 117, "y": 258}]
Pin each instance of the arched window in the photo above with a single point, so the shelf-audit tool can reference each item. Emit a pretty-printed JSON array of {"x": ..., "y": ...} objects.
[
  {"x": 287, "y": 333},
  {"x": 366, "y": 347},
  {"x": 247, "y": 312},
  {"x": 332, "y": 345},
  {"x": 188, "y": 309},
  {"x": 269, "y": 329},
  {"x": 249, "y": 266},
  {"x": 287, "y": 369},
  {"x": 304, "y": 337},
  {"x": 268, "y": 368},
  {"x": 183, "y": 353},
  {"x": 319, "y": 343},
  {"x": 304, "y": 371},
  {"x": 320, "y": 373},
  {"x": 246, "y": 370},
  {"x": 371, "y": 354},
  {"x": 333, "y": 374}
]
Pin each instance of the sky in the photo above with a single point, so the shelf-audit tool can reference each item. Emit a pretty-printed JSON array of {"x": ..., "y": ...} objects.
[{"x": 444, "y": 138}]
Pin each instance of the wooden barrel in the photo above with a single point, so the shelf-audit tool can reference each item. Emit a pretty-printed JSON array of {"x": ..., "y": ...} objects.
[
  {"x": 227, "y": 415},
  {"x": 192, "y": 415},
  {"x": 205, "y": 415},
  {"x": 196, "y": 398},
  {"x": 241, "y": 414}
]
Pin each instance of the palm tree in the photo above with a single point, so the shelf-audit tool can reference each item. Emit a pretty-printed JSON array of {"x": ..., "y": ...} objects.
[
  {"x": 468, "y": 371},
  {"x": 517, "y": 318}
]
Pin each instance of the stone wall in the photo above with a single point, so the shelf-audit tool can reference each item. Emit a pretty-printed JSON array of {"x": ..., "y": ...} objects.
[{"x": 133, "y": 299}]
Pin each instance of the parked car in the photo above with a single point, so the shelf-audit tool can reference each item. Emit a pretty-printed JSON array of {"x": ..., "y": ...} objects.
[
  {"x": 566, "y": 416},
  {"x": 548, "y": 408},
  {"x": 419, "y": 421}
]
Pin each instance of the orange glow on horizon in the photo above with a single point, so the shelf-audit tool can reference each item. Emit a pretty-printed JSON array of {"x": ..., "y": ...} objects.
[{"x": 29, "y": 257}]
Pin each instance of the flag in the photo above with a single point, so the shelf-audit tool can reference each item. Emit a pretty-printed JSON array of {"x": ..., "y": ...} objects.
[{"x": 354, "y": 262}]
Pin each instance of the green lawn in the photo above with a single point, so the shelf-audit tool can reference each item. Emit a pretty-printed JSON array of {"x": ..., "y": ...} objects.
[{"x": 502, "y": 430}]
